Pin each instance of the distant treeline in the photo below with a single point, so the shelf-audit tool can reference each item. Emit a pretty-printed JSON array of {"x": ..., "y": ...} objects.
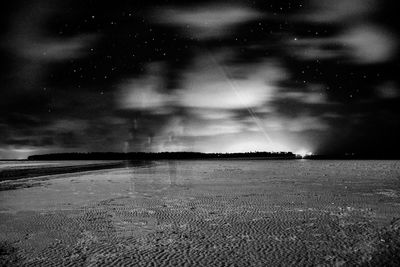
[{"x": 161, "y": 156}]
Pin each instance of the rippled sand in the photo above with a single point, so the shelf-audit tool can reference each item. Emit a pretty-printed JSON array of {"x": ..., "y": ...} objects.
[{"x": 207, "y": 213}]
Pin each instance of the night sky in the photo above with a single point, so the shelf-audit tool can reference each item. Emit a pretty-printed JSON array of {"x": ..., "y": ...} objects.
[{"x": 317, "y": 76}]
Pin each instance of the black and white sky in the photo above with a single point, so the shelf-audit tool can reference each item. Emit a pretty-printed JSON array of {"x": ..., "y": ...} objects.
[{"x": 209, "y": 76}]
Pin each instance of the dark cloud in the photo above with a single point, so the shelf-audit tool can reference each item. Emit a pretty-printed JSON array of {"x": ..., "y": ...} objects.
[{"x": 206, "y": 76}]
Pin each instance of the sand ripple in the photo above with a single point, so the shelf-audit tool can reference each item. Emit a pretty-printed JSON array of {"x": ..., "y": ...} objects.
[{"x": 293, "y": 222}]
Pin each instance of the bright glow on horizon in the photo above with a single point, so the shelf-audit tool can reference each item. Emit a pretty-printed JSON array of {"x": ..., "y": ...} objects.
[
  {"x": 303, "y": 153},
  {"x": 16, "y": 153}
]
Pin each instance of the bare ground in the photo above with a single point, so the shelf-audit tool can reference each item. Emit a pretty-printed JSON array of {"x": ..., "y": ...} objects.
[{"x": 208, "y": 213}]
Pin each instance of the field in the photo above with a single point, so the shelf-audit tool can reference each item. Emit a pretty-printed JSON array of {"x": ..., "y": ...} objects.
[{"x": 205, "y": 213}]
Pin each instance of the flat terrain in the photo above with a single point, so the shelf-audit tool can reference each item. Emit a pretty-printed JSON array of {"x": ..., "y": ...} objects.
[
  {"x": 206, "y": 213},
  {"x": 14, "y": 170}
]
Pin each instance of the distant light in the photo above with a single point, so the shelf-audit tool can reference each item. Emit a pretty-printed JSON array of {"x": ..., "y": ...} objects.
[{"x": 303, "y": 153}]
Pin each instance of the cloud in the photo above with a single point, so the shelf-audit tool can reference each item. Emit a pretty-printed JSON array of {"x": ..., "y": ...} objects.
[
  {"x": 142, "y": 94},
  {"x": 220, "y": 94},
  {"x": 68, "y": 125},
  {"x": 30, "y": 38},
  {"x": 312, "y": 94},
  {"x": 207, "y": 84},
  {"x": 360, "y": 44},
  {"x": 369, "y": 44},
  {"x": 305, "y": 123},
  {"x": 323, "y": 48},
  {"x": 211, "y": 83},
  {"x": 216, "y": 98},
  {"x": 146, "y": 93},
  {"x": 49, "y": 49},
  {"x": 211, "y": 114},
  {"x": 198, "y": 76},
  {"x": 198, "y": 127},
  {"x": 354, "y": 33},
  {"x": 11, "y": 152},
  {"x": 207, "y": 21},
  {"x": 339, "y": 11},
  {"x": 388, "y": 90},
  {"x": 32, "y": 43}
]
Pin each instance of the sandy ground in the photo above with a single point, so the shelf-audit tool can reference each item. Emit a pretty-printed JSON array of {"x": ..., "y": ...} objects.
[
  {"x": 15, "y": 170},
  {"x": 207, "y": 213}
]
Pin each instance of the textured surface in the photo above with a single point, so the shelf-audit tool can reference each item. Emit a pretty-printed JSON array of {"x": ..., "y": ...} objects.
[
  {"x": 221, "y": 213},
  {"x": 15, "y": 170}
]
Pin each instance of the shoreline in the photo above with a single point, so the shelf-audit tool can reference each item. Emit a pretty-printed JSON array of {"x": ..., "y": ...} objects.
[{"x": 22, "y": 173}]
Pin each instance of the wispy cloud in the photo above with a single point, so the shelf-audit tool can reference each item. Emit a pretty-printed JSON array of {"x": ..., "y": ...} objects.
[
  {"x": 369, "y": 44},
  {"x": 207, "y": 76},
  {"x": 206, "y": 21},
  {"x": 211, "y": 83},
  {"x": 338, "y": 11},
  {"x": 361, "y": 44},
  {"x": 48, "y": 49}
]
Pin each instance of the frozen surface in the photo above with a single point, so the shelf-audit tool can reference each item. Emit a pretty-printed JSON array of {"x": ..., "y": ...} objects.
[{"x": 209, "y": 213}]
